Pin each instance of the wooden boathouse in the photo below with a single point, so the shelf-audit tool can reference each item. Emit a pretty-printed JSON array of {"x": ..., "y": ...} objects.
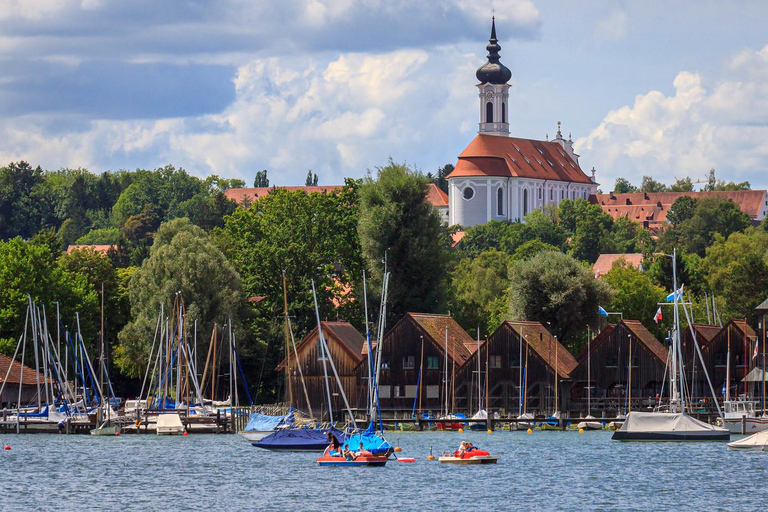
[
  {"x": 695, "y": 377},
  {"x": 14, "y": 374},
  {"x": 345, "y": 344},
  {"x": 738, "y": 338},
  {"x": 502, "y": 373},
  {"x": 608, "y": 356},
  {"x": 417, "y": 343}
]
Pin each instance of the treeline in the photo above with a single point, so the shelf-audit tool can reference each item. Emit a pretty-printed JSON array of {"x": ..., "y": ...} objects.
[
  {"x": 648, "y": 184},
  {"x": 175, "y": 233}
]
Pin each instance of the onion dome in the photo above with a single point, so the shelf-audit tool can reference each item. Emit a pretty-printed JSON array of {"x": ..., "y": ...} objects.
[{"x": 493, "y": 71}]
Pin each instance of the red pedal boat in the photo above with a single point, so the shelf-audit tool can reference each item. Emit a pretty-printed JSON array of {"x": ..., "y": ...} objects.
[
  {"x": 472, "y": 457},
  {"x": 364, "y": 459}
]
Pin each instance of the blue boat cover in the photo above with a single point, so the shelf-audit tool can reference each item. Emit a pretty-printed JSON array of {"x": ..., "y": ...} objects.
[
  {"x": 369, "y": 441},
  {"x": 300, "y": 439},
  {"x": 264, "y": 422},
  {"x": 41, "y": 414}
]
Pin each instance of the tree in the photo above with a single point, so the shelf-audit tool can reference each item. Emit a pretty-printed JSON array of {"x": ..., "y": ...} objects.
[
  {"x": 682, "y": 185},
  {"x": 714, "y": 184},
  {"x": 635, "y": 295},
  {"x": 261, "y": 180},
  {"x": 396, "y": 222},
  {"x": 495, "y": 234},
  {"x": 183, "y": 260},
  {"x": 557, "y": 290},
  {"x": 681, "y": 210},
  {"x": 311, "y": 180},
  {"x": 588, "y": 226},
  {"x": 441, "y": 179},
  {"x": 689, "y": 272},
  {"x": 531, "y": 248},
  {"x": 24, "y": 206},
  {"x": 480, "y": 290},
  {"x": 650, "y": 185},
  {"x": 101, "y": 236},
  {"x": 623, "y": 186},
  {"x": 737, "y": 270}
]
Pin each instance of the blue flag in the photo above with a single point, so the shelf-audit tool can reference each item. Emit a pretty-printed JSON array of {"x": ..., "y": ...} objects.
[{"x": 601, "y": 311}]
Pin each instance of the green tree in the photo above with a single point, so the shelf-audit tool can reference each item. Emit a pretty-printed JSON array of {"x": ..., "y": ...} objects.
[
  {"x": 623, "y": 186},
  {"x": 682, "y": 185},
  {"x": 261, "y": 180},
  {"x": 441, "y": 179},
  {"x": 397, "y": 222},
  {"x": 651, "y": 185},
  {"x": 311, "y": 180},
  {"x": 100, "y": 236},
  {"x": 531, "y": 248},
  {"x": 588, "y": 226},
  {"x": 635, "y": 295},
  {"x": 182, "y": 260},
  {"x": 495, "y": 234},
  {"x": 714, "y": 184},
  {"x": 681, "y": 210},
  {"x": 737, "y": 271},
  {"x": 557, "y": 290},
  {"x": 479, "y": 287}
]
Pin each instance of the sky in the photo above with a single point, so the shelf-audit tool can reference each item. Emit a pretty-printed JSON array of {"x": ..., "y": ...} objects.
[{"x": 667, "y": 89}]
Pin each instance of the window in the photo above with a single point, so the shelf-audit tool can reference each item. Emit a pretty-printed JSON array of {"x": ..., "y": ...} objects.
[
  {"x": 409, "y": 362},
  {"x": 525, "y": 202},
  {"x": 500, "y": 201},
  {"x": 514, "y": 359},
  {"x": 494, "y": 361},
  {"x": 539, "y": 193},
  {"x": 398, "y": 392},
  {"x": 551, "y": 191},
  {"x": 612, "y": 361},
  {"x": 489, "y": 112},
  {"x": 468, "y": 193},
  {"x": 562, "y": 195},
  {"x": 431, "y": 362},
  {"x": 503, "y": 113}
]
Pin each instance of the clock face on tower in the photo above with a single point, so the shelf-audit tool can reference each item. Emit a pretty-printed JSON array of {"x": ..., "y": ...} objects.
[{"x": 489, "y": 95}]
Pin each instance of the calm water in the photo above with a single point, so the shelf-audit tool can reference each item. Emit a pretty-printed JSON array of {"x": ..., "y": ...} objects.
[{"x": 543, "y": 470}]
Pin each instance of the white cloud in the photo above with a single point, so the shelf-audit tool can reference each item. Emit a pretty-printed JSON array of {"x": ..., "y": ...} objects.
[
  {"x": 612, "y": 27},
  {"x": 723, "y": 125}
]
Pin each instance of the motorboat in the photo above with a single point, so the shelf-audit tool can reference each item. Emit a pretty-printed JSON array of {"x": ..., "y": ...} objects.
[
  {"x": 589, "y": 423},
  {"x": 451, "y": 422},
  {"x": 668, "y": 426},
  {"x": 300, "y": 439},
  {"x": 740, "y": 417},
  {"x": 169, "y": 424}
]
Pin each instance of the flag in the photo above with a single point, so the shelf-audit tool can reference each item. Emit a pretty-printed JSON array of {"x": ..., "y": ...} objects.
[
  {"x": 754, "y": 354},
  {"x": 597, "y": 274},
  {"x": 657, "y": 316},
  {"x": 679, "y": 293},
  {"x": 601, "y": 311}
]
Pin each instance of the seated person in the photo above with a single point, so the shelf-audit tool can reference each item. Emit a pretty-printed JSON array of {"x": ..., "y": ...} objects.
[
  {"x": 462, "y": 449},
  {"x": 470, "y": 447},
  {"x": 335, "y": 447},
  {"x": 348, "y": 453}
]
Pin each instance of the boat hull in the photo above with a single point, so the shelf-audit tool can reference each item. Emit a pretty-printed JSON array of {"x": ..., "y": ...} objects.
[
  {"x": 255, "y": 435},
  {"x": 751, "y": 425},
  {"x": 375, "y": 461},
  {"x": 105, "y": 431},
  {"x": 621, "y": 435},
  {"x": 482, "y": 459}
]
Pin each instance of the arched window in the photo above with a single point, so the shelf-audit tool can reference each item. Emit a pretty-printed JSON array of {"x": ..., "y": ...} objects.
[
  {"x": 500, "y": 201},
  {"x": 525, "y": 202},
  {"x": 503, "y": 112},
  {"x": 489, "y": 112}
]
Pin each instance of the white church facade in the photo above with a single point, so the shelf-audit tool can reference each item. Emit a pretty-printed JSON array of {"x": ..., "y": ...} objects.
[{"x": 498, "y": 177}]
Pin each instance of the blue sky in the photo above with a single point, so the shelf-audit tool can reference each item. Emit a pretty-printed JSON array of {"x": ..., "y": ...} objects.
[{"x": 667, "y": 89}]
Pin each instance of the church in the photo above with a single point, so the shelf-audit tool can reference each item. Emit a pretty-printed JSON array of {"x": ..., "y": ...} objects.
[{"x": 498, "y": 177}]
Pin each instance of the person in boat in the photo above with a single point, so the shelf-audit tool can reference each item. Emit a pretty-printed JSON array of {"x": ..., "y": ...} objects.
[
  {"x": 347, "y": 453},
  {"x": 335, "y": 445},
  {"x": 462, "y": 449},
  {"x": 470, "y": 447}
]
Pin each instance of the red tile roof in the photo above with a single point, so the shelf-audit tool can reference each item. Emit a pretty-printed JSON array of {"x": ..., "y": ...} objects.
[
  {"x": 490, "y": 155},
  {"x": 646, "y": 338},
  {"x": 654, "y": 206},
  {"x": 30, "y": 376},
  {"x": 436, "y": 197},
  {"x": 456, "y": 237},
  {"x": 605, "y": 262},
  {"x": 240, "y": 195},
  {"x": 100, "y": 248}
]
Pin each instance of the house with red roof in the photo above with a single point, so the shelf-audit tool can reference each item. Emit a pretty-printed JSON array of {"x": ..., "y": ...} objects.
[{"x": 499, "y": 177}]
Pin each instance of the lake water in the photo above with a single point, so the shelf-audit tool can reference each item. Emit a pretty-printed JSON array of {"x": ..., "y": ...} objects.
[{"x": 539, "y": 471}]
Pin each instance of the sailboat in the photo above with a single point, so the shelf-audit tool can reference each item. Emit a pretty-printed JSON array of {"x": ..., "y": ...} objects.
[
  {"x": 554, "y": 418},
  {"x": 675, "y": 425},
  {"x": 107, "y": 427},
  {"x": 448, "y": 420},
  {"x": 589, "y": 424},
  {"x": 522, "y": 413}
]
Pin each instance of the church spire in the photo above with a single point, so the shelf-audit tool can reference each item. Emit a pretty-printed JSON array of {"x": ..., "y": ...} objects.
[
  {"x": 494, "y": 90},
  {"x": 493, "y": 71}
]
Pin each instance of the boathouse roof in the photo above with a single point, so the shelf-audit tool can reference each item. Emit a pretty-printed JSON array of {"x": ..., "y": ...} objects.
[
  {"x": 30, "y": 376},
  {"x": 343, "y": 333}
]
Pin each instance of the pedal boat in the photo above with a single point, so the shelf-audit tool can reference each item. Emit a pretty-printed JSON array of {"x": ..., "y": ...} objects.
[
  {"x": 473, "y": 457},
  {"x": 364, "y": 459}
]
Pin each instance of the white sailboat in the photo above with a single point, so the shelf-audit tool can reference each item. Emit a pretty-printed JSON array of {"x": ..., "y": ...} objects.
[
  {"x": 589, "y": 424},
  {"x": 675, "y": 425}
]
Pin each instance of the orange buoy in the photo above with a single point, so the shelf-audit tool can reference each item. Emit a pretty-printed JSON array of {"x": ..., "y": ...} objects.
[
  {"x": 529, "y": 431},
  {"x": 460, "y": 431},
  {"x": 398, "y": 449},
  {"x": 431, "y": 457}
]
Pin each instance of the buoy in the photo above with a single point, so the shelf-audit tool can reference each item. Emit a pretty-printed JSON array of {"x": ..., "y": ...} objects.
[
  {"x": 430, "y": 457},
  {"x": 185, "y": 433},
  {"x": 581, "y": 431},
  {"x": 529, "y": 431},
  {"x": 7, "y": 447},
  {"x": 117, "y": 433},
  {"x": 398, "y": 449},
  {"x": 490, "y": 431},
  {"x": 461, "y": 431}
]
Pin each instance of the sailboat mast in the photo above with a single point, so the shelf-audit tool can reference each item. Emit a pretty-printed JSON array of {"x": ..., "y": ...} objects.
[
  {"x": 557, "y": 378},
  {"x": 479, "y": 373},
  {"x": 629, "y": 377},
  {"x": 445, "y": 372},
  {"x": 323, "y": 355},
  {"x": 287, "y": 344},
  {"x": 589, "y": 372},
  {"x": 525, "y": 380},
  {"x": 728, "y": 369},
  {"x": 371, "y": 390},
  {"x": 487, "y": 410},
  {"x": 101, "y": 339},
  {"x": 676, "y": 339},
  {"x": 520, "y": 373},
  {"x": 421, "y": 371},
  {"x": 746, "y": 358}
]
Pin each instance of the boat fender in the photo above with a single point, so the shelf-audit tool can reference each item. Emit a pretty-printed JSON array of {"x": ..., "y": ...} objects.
[
  {"x": 117, "y": 433},
  {"x": 408, "y": 459}
]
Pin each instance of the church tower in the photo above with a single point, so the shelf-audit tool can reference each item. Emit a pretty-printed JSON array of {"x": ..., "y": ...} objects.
[{"x": 494, "y": 90}]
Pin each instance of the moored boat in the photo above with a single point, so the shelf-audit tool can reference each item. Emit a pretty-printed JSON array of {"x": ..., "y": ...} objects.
[
  {"x": 473, "y": 457},
  {"x": 363, "y": 458},
  {"x": 755, "y": 443},
  {"x": 300, "y": 439},
  {"x": 667, "y": 426}
]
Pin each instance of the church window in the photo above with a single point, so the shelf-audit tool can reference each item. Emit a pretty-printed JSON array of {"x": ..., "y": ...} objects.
[
  {"x": 503, "y": 112},
  {"x": 500, "y": 201},
  {"x": 468, "y": 193},
  {"x": 551, "y": 191},
  {"x": 539, "y": 193},
  {"x": 489, "y": 112},
  {"x": 562, "y": 195},
  {"x": 525, "y": 202}
]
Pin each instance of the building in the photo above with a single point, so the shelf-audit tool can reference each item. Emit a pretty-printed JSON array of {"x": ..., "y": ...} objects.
[
  {"x": 12, "y": 373},
  {"x": 345, "y": 344},
  {"x": 99, "y": 248},
  {"x": 504, "y": 356},
  {"x": 695, "y": 377},
  {"x": 417, "y": 345},
  {"x": 651, "y": 208},
  {"x": 498, "y": 177},
  {"x": 605, "y": 262},
  {"x": 604, "y": 370},
  {"x": 730, "y": 353}
]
